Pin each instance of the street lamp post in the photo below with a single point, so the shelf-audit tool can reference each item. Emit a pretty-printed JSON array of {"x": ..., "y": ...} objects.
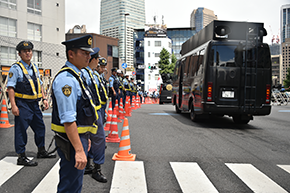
[{"x": 126, "y": 14}]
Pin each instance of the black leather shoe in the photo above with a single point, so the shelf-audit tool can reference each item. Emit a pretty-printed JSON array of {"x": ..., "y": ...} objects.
[
  {"x": 24, "y": 161},
  {"x": 97, "y": 174},
  {"x": 89, "y": 169},
  {"x": 42, "y": 153}
]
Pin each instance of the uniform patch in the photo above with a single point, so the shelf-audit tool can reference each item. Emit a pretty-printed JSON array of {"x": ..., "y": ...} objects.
[
  {"x": 10, "y": 74},
  {"x": 66, "y": 90}
]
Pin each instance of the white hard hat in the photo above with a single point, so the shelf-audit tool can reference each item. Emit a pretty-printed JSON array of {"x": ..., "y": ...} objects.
[{"x": 119, "y": 71}]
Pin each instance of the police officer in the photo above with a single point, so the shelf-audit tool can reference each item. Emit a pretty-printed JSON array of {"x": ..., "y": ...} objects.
[
  {"x": 74, "y": 113},
  {"x": 127, "y": 86},
  {"x": 25, "y": 92},
  {"x": 133, "y": 90},
  {"x": 114, "y": 86},
  {"x": 98, "y": 140},
  {"x": 140, "y": 93},
  {"x": 121, "y": 86},
  {"x": 103, "y": 85}
]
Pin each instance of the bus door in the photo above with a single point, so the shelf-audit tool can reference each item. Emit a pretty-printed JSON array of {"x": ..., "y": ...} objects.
[
  {"x": 186, "y": 86},
  {"x": 180, "y": 83},
  {"x": 227, "y": 84}
]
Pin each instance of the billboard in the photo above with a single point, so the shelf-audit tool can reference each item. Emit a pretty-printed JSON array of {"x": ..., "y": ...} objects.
[{"x": 155, "y": 30}]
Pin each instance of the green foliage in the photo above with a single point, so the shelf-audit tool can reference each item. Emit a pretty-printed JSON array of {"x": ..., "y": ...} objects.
[
  {"x": 287, "y": 80},
  {"x": 164, "y": 63}
]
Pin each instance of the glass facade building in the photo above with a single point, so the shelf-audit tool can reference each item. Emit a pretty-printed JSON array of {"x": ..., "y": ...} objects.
[
  {"x": 113, "y": 22},
  {"x": 285, "y": 22},
  {"x": 201, "y": 17}
]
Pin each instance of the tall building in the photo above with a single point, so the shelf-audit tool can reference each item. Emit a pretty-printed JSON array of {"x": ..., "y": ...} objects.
[
  {"x": 285, "y": 40},
  {"x": 115, "y": 17},
  {"x": 40, "y": 21},
  {"x": 285, "y": 22},
  {"x": 201, "y": 17}
]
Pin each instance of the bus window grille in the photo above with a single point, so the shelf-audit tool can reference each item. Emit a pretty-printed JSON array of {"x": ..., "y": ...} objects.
[{"x": 250, "y": 67}]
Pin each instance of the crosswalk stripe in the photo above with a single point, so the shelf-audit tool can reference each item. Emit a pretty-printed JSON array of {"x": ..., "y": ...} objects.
[
  {"x": 285, "y": 167},
  {"x": 191, "y": 178},
  {"x": 129, "y": 176},
  {"x": 8, "y": 167},
  {"x": 49, "y": 183},
  {"x": 254, "y": 179}
]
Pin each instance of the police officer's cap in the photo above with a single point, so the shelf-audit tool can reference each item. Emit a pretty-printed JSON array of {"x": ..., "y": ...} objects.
[
  {"x": 95, "y": 54},
  {"x": 23, "y": 45},
  {"x": 114, "y": 69},
  {"x": 103, "y": 61},
  {"x": 83, "y": 43},
  {"x": 119, "y": 71}
]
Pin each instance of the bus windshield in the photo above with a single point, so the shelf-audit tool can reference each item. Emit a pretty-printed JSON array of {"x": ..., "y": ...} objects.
[{"x": 237, "y": 56}]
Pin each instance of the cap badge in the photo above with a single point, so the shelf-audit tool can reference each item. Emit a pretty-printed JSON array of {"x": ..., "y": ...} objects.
[
  {"x": 90, "y": 41},
  {"x": 66, "y": 90},
  {"x": 25, "y": 44}
]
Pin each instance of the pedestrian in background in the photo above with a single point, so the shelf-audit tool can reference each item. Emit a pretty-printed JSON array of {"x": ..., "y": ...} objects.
[
  {"x": 73, "y": 115},
  {"x": 25, "y": 91},
  {"x": 114, "y": 86}
]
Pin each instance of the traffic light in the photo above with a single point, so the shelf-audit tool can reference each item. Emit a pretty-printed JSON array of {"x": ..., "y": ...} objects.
[{"x": 149, "y": 67}]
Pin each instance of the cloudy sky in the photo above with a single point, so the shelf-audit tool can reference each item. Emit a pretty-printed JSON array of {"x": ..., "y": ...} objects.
[{"x": 177, "y": 12}]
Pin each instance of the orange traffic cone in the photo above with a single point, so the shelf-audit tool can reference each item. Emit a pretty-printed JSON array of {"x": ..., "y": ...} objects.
[
  {"x": 117, "y": 111},
  {"x": 108, "y": 123},
  {"x": 124, "y": 153},
  {"x": 4, "y": 122},
  {"x": 113, "y": 136},
  {"x": 127, "y": 107},
  {"x": 121, "y": 110},
  {"x": 110, "y": 110}
]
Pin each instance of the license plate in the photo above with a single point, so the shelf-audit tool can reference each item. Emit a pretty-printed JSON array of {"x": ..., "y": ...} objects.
[
  {"x": 228, "y": 94},
  {"x": 168, "y": 97}
]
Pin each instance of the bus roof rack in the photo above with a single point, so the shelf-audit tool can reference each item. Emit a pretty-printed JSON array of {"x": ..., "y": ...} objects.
[{"x": 229, "y": 30}]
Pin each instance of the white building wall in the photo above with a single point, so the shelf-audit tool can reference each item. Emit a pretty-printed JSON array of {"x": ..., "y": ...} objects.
[{"x": 150, "y": 76}]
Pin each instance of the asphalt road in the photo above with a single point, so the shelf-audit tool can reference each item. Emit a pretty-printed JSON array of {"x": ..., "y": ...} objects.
[{"x": 159, "y": 137}]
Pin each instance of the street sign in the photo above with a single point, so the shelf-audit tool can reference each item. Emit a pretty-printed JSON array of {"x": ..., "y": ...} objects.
[
  {"x": 133, "y": 73},
  {"x": 124, "y": 65}
]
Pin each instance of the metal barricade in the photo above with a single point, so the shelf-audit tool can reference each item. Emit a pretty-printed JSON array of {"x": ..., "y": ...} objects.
[{"x": 279, "y": 98}]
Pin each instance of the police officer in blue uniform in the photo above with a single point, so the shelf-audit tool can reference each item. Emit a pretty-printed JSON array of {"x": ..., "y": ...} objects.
[
  {"x": 97, "y": 152},
  {"x": 127, "y": 86},
  {"x": 114, "y": 86},
  {"x": 74, "y": 114},
  {"x": 121, "y": 86},
  {"x": 103, "y": 85},
  {"x": 25, "y": 92}
]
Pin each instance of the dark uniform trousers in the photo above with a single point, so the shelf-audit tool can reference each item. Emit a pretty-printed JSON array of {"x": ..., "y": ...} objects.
[
  {"x": 71, "y": 179},
  {"x": 98, "y": 140},
  {"x": 29, "y": 115}
]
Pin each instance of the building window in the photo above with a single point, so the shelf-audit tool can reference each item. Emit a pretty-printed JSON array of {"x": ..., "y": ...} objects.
[
  {"x": 34, "y": 6},
  {"x": 156, "y": 76},
  {"x": 36, "y": 58},
  {"x": 148, "y": 54},
  {"x": 34, "y": 32},
  {"x": 169, "y": 44},
  {"x": 149, "y": 76},
  {"x": 8, "y": 55},
  {"x": 10, "y": 4},
  {"x": 148, "y": 43},
  {"x": 157, "y": 55},
  {"x": 7, "y": 27},
  {"x": 110, "y": 50},
  {"x": 157, "y": 43}
]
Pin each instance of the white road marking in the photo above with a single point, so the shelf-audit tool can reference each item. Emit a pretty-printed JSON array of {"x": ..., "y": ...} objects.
[
  {"x": 191, "y": 178},
  {"x": 129, "y": 176},
  {"x": 254, "y": 179}
]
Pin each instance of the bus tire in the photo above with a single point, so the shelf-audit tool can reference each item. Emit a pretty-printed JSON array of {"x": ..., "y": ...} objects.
[
  {"x": 177, "y": 110},
  {"x": 237, "y": 119},
  {"x": 192, "y": 114}
]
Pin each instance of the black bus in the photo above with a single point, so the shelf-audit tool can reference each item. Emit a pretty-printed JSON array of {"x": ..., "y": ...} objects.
[{"x": 225, "y": 69}]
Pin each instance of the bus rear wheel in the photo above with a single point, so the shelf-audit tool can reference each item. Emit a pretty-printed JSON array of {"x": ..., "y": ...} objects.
[
  {"x": 238, "y": 120},
  {"x": 192, "y": 114}
]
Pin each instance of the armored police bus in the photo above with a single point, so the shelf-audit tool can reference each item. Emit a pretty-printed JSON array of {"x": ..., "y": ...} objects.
[{"x": 225, "y": 69}]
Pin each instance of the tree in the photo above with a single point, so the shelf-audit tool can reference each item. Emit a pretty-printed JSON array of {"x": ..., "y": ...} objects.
[
  {"x": 164, "y": 64},
  {"x": 287, "y": 80}
]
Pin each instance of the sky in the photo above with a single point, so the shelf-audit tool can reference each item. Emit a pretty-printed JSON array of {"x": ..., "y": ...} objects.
[{"x": 177, "y": 12}]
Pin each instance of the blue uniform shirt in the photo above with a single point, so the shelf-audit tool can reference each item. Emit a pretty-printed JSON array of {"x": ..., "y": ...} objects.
[
  {"x": 18, "y": 74},
  {"x": 67, "y": 104},
  {"x": 125, "y": 82},
  {"x": 111, "y": 81},
  {"x": 87, "y": 76}
]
